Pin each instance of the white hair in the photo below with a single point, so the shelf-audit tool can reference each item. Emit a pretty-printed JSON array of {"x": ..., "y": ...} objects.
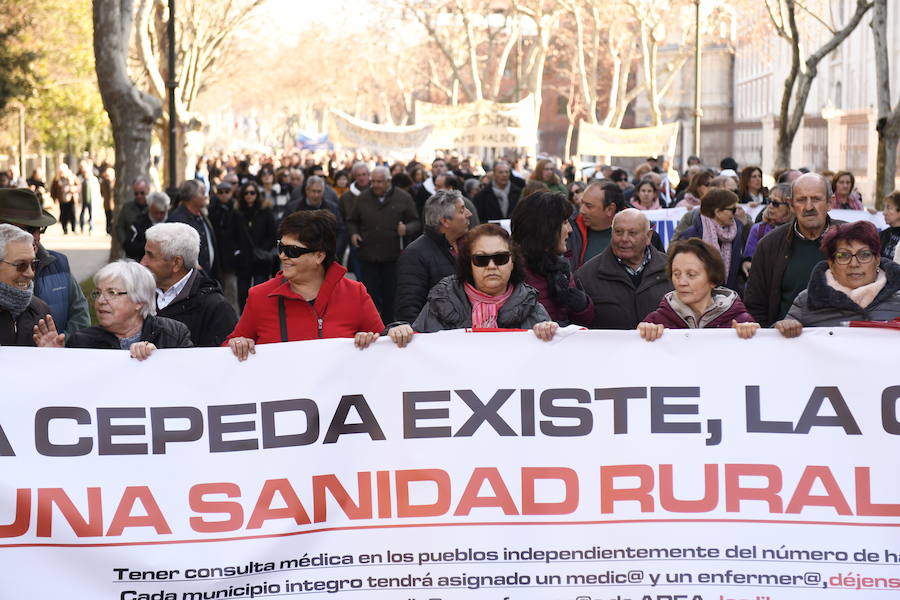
[
  {"x": 137, "y": 280},
  {"x": 632, "y": 212},
  {"x": 176, "y": 239},
  {"x": 11, "y": 233},
  {"x": 159, "y": 200}
]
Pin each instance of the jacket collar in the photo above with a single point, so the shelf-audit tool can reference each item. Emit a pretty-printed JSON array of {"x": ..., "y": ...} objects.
[{"x": 333, "y": 277}]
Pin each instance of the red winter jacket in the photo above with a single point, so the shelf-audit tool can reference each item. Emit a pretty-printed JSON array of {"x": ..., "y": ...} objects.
[{"x": 342, "y": 308}]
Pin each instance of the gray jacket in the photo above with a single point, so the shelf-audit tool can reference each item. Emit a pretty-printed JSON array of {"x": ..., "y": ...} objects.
[
  {"x": 618, "y": 304},
  {"x": 448, "y": 307},
  {"x": 820, "y": 305}
]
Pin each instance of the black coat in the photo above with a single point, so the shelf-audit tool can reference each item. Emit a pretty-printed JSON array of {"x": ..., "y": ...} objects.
[
  {"x": 159, "y": 331},
  {"x": 253, "y": 237},
  {"x": 134, "y": 247},
  {"x": 18, "y": 332},
  {"x": 376, "y": 222},
  {"x": 488, "y": 206},
  {"x": 202, "y": 307},
  {"x": 421, "y": 265},
  {"x": 201, "y": 224},
  {"x": 221, "y": 217}
]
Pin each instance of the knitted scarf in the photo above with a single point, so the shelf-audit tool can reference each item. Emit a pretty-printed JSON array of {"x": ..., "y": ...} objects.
[
  {"x": 484, "y": 307},
  {"x": 864, "y": 294},
  {"x": 719, "y": 237},
  {"x": 15, "y": 300},
  {"x": 853, "y": 202}
]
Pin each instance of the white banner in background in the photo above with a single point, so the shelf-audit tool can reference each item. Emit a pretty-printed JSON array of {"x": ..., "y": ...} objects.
[
  {"x": 483, "y": 123},
  {"x": 465, "y": 466},
  {"x": 355, "y": 133},
  {"x": 596, "y": 140}
]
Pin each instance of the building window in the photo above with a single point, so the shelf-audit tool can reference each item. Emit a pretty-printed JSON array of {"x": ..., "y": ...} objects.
[{"x": 562, "y": 104}]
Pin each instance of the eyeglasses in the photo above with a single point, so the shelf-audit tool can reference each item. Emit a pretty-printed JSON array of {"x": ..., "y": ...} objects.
[
  {"x": 778, "y": 203},
  {"x": 22, "y": 265},
  {"x": 732, "y": 209},
  {"x": 844, "y": 258},
  {"x": 221, "y": 191},
  {"x": 32, "y": 229},
  {"x": 293, "y": 251},
  {"x": 250, "y": 193},
  {"x": 109, "y": 294},
  {"x": 483, "y": 260}
]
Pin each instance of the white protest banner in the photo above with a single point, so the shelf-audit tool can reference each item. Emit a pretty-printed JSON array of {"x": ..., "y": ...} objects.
[
  {"x": 482, "y": 123},
  {"x": 355, "y": 133},
  {"x": 641, "y": 141},
  {"x": 467, "y": 465}
]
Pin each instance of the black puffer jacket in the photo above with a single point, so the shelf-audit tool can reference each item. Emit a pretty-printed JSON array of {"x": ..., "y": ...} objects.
[
  {"x": 18, "y": 332},
  {"x": 420, "y": 267},
  {"x": 203, "y": 308},
  {"x": 159, "y": 331},
  {"x": 448, "y": 307},
  {"x": 820, "y": 305},
  {"x": 253, "y": 239}
]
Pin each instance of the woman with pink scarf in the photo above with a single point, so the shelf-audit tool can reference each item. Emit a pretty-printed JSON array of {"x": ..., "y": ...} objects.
[
  {"x": 487, "y": 292},
  {"x": 845, "y": 196},
  {"x": 715, "y": 224}
]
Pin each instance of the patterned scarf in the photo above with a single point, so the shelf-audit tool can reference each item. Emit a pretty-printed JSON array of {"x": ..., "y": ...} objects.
[
  {"x": 485, "y": 308},
  {"x": 15, "y": 300},
  {"x": 853, "y": 202},
  {"x": 720, "y": 238}
]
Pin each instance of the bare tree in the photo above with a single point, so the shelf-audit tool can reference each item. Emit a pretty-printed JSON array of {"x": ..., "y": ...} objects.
[
  {"x": 798, "y": 83},
  {"x": 888, "y": 120},
  {"x": 204, "y": 32},
  {"x": 132, "y": 113}
]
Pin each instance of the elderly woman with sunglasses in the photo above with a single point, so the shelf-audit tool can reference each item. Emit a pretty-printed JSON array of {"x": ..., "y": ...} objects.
[
  {"x": 20, "y": 309},
  {"x": 488, "y": 291},
  {"x": 125, "y": 303},
  {"x": 715, "y": 224},
  {"x": 309, "y": 298},
  {"x": 853, "y": 284}
]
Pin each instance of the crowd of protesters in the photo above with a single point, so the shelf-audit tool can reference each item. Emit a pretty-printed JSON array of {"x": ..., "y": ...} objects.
[{"x": 258, "y": 250}]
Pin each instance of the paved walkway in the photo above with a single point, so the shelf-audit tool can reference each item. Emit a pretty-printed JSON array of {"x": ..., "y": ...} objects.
[{"x": 87, "y": 252}]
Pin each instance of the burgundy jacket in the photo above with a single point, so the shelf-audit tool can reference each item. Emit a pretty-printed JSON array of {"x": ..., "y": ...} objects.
[{"x": 666, "y": 316}]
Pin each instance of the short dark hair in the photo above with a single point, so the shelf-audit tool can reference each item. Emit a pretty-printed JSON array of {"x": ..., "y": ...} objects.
[
  {"x": 189, "y": 189},
  {"x": 464, "y": 258},
  {"x": 728, "y": 163},
  {"x": 859, "y": 231},
  {"x": 894, "y": 198},
  {"x": 536, "y": 222},
  {"x": 715, "y": 199},
  {"x": 709, "y": 256},
  {"x": 612, "y": 194},
  {"x": 317, "y": 229},
  {"x": 619, "y": 175},
  {"x": 401, "y": 180}
]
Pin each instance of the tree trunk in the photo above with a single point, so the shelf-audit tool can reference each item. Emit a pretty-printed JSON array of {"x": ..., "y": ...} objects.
[
  {"x": 132, "y": 113},
  {"x": 799, "y": 80},
  {"x": 888, "y": 121}
]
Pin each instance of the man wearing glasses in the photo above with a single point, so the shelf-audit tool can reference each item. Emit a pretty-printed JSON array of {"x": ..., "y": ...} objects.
[
  {"x": 132, "y": 209},
  {"x": 53, "y": 281},
  {"x": 20, "y": 309}
]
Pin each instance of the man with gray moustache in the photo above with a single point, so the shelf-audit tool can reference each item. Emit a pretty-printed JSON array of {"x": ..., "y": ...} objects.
[{"x": 785, "y": 257}]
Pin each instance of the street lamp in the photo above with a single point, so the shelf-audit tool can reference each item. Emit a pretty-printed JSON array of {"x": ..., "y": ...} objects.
[{"x": 171, "y": 84}]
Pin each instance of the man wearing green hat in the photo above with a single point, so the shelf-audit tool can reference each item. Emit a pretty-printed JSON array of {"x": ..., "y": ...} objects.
[{"x": 53, "y": 282}]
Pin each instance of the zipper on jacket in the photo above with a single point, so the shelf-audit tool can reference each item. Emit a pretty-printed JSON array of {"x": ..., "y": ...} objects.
[{"x": 319, "y": 321}]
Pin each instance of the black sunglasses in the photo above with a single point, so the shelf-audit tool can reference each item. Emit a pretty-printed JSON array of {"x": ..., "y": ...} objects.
[
  {"x": 250, "y": 192},
  {"x": 777, "y": 203},
  {"x": 292, "y": 251},
  {"x": 483, "y": 260},
  {"x": 22, "y": 265}
]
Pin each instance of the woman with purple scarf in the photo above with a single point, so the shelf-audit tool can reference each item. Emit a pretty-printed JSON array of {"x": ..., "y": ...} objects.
[
  {"x": 715, "y": 224},
  {"x": 487, "y": 292}
]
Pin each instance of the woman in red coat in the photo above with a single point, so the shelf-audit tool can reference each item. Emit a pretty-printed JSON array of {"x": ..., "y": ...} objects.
[
  {"x": 309, "y": 298},
  {"x": 699, "y": 300}
]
